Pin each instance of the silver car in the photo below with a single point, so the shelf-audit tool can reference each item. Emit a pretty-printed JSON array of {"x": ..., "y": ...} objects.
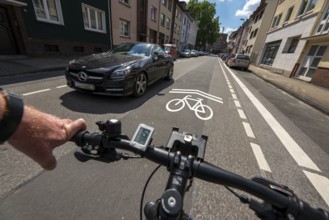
[
  {"x": 185, "y": 53},
  {"x": 239, "y": 60}
]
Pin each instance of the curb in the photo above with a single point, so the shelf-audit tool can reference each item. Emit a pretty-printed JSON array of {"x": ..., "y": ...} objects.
[{"x": 307, "y": 100}]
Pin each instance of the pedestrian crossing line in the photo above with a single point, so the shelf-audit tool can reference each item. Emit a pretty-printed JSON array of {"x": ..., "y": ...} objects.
[
  {"x": 320, "y": 183},
  {"x": 262, "y": 163}
]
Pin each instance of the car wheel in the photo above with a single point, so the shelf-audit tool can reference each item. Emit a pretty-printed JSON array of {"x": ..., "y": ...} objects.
[
  {"x": 140, "y": 85},
  {"x": 170, "y": 73}
]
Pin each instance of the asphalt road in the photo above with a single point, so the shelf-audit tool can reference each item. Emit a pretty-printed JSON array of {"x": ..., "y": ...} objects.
[{"x": 255, "y": 130}]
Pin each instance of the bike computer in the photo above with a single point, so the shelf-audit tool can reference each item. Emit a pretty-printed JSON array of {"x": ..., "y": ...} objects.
[{"x": 142, "y": 136}]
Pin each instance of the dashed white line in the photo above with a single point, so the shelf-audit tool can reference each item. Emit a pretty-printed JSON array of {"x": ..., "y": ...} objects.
[
  {"x": 320, "y": 183},
  {"x": 237, "y": 103},
  {"x": 288, "y": 142},
  {"x": 59, "y": 87},
  {"x": 39, "y": 91},
  {"x": 229, "y": 86},
  {"x": 234, "y": 96},
  {"x": 242, "y": 114},
  {"x": 262, "y": 163},
  {"x": 248, "y": 129},
  {"x": 231, "y": 90}
]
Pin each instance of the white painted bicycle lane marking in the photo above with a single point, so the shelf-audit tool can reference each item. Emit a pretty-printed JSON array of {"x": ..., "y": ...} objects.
[{"x": 202, "y": 111}]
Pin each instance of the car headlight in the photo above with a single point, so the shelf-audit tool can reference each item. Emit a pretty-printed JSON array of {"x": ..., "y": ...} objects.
[{"x": 120, "y": 73}]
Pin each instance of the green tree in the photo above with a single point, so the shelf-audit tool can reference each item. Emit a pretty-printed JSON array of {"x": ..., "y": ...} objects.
[{"x": 203, "y": 13}]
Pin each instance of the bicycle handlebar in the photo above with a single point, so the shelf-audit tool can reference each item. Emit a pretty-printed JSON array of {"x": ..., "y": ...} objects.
[{"x": 283, "y": 201}]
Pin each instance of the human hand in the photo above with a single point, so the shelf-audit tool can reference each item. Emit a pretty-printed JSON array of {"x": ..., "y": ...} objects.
[{"x": 39, "y": 134}]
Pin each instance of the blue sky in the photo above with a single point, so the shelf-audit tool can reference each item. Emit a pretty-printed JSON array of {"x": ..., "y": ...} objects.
[{"x": 231, "y": 12}]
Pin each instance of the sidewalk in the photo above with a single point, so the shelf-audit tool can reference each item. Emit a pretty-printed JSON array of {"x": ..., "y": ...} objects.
[
  {"x": 312, "y": 95},
  {"x": 11, "y": 65}
]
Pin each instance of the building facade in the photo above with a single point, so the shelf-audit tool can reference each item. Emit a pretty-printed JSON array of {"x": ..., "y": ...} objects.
[
  {"x": 292, "y": 21},
  {"x": 59, "y": 27},
  {"x": 261, "y": 21}
]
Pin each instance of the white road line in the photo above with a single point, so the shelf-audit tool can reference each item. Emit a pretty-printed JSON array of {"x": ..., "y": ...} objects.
[
  {"x": 232, "y": 91},
  {"x": 58, "y": 87},
  {"x": 31, "y": 93},
  {"x": 242, "y": 114},
  {"x": 288, "y": 142},
  {"x": 234, "y": 96},
  {"x": 229, "y": 86},
  {"x": 262, "y": 163},
  {"x": 320, "y": 183},
  {"x": 237, "y": 103},
  {"x": 248, "y": 129}
]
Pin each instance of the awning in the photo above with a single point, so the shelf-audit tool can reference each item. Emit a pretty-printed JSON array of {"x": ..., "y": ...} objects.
[{"x": 12, "y": 2}]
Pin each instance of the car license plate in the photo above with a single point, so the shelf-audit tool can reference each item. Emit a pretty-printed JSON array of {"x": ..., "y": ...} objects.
[{"x": 84, "y": 86}]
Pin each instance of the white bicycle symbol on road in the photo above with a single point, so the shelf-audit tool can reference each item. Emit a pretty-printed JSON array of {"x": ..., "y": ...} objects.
[{"x": 202, "y": 111}]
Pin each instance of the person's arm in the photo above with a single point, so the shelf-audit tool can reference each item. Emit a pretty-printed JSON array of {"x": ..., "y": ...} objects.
[{"x": 39, "y": 133}]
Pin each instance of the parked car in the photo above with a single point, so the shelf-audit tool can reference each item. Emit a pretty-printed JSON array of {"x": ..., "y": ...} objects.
[
  {"x": 128, "y": 69},
  {"x": 194, "y": 53},
  {"x": 185, "y": 53},
  {"x": 223, "y": 56},
  {"x": 170, "y": 49},
  {"x": 239, "y": 60},
  {"x": 228, "y": 57}
]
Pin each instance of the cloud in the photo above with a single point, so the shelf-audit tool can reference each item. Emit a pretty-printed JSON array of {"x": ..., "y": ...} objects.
[
  {"x": 229, "y": 30},
  {"x": 248, "y": 8}
]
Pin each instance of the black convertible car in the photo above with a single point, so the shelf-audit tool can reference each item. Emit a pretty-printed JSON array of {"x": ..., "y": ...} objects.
[{"x": 126, "y": 70}]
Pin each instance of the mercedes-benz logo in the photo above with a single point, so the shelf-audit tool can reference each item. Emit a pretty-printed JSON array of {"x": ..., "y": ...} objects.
[{"x": 82, "y": 76}]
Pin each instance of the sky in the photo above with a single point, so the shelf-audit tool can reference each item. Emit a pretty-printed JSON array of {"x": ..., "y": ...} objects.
[{"x": 231, "y": 12}]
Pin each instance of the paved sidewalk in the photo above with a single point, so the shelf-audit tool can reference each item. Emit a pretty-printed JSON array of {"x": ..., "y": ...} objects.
[
  {"x": 316, "y": 96},
  {"x": 12, "y": 65}
]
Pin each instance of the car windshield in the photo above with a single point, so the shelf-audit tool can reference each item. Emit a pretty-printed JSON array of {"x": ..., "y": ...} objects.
[
  {"x": 168, "y": 48},
  {"x": 186, "y": 50},
  {"x": 139, "y": 49}
]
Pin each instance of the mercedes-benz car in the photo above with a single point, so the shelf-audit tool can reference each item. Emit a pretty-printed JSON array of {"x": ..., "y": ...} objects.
[{"x": 127, "y": 70}]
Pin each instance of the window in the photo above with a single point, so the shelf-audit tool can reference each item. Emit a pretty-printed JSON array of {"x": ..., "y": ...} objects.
[
  {"x": 125, "y": 1},
  {"x": 175, "y": 28},
  {"x": 164, "y": 2},
  {"x": 288, "y": 14},
  {"x": 311, "y": 61},
  {"x": 153, "y": 13},
  {"x": 167, "y": 22},
  {"x": 276, "y": 20},
  {"x": 124, "y": 28},
  {"x": 94, "y": 19},
  {"x": 169, "y": 4},
  {"x": 162, "y": 20},
  {"x": 252, "y": 33},
  {"x": 255, "y": 32},
  {"x": 270, "y": 52},
  {"x": 48, "y": 11},
  {"x": 306, "y": 6},
  {"x": 324, "y": 23},
  {"x": 291, "y": 45}
]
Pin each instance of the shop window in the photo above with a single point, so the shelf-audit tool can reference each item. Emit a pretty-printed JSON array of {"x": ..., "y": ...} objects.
[{"x": 270, "y": 52}]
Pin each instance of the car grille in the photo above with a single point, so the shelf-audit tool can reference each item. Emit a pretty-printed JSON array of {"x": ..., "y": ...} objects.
[{"x": 86, "y": 76}]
